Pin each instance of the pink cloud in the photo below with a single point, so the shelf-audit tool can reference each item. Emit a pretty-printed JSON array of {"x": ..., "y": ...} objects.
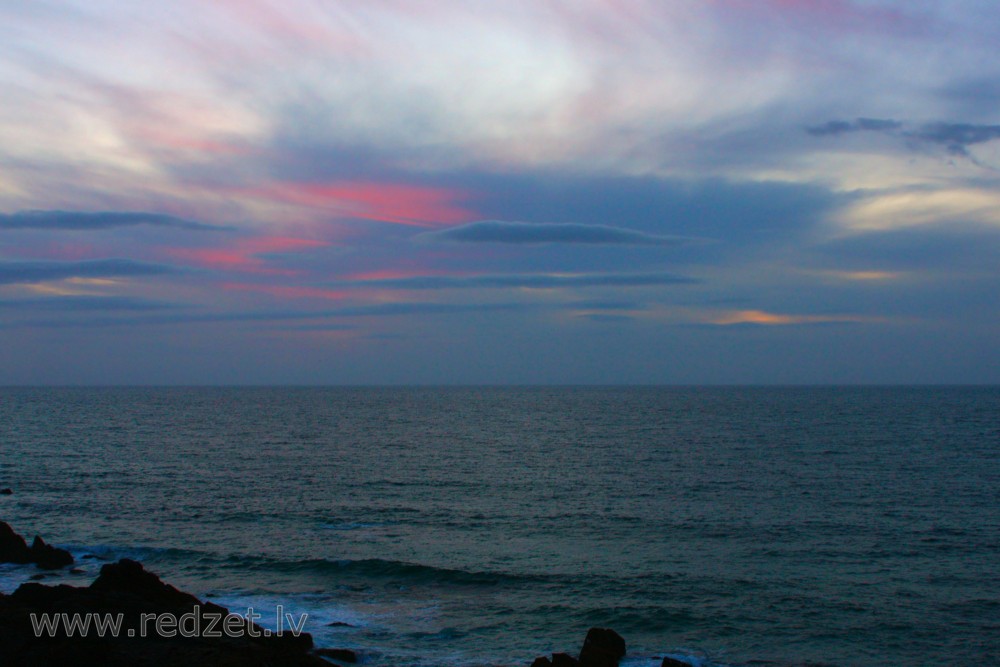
[
  {"x": 385, "y": 202},
  {"x": 244, "y": 255}
]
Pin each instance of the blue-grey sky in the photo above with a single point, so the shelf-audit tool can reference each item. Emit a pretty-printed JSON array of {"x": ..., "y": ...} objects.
[{"x": 543, "y": 191}]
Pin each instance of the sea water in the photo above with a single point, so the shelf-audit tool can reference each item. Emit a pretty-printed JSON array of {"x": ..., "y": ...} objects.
[{"x": 485, "y": 526}]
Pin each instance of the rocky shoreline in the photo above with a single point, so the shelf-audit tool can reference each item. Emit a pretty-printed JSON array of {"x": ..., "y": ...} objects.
[{"x": 161, "y": 626}]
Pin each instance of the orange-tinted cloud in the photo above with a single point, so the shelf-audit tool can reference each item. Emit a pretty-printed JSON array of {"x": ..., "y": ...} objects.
[{"x": 776, "y": 319}]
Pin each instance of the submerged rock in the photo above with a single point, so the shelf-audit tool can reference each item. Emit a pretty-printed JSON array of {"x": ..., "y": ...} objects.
[
  {"x": 673, "y": 662},
  {"x": 6, "y": 492},
  {"x": 341, "y": 654}
]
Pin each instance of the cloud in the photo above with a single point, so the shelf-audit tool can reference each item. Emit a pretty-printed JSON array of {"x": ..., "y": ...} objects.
[
  {"x": 764, "y": 318},
  {"x": 606, "y": 304},
  {"x": 374, "y": 310},
  {"x": 33, "y": 271},
  {"x": 530, "y": 280},
  {"x": 907, "y": 208},
  {"x": 953, "y": 249},
  {"x": 606, "y": 318},
  {"x": 956, "y": 137},
  {"x": 94, "y": 220},
  {"x": 85, "y": 303},
  {"x": 835, "y": 127},
  {"x": 500, "y": 231}
]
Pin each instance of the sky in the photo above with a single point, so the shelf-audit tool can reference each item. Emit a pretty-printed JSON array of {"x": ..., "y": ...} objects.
[{"x": 499, "y": 192}]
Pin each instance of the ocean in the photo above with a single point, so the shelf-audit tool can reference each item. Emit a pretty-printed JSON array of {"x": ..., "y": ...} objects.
[{"x": 486, "y": 526}]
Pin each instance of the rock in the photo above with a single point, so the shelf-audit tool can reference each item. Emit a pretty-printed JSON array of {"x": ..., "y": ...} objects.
[
  {"x": 603, "y": 647},
  {"x": 339, "y": 624},
  {"x": 6, "y": 492},
  {"x": 127, "y": 589},
  {"x": 541, "y": 662},
  {"x": 673, "y": 662},
  {"x": 564, "y": 660},
  {"x": 36, "y": 577},
  {"x": 128, "y": 576},
  {"x": 49, "y": 557},
  {"x": 341, "y": 654},
  {"x": 13, "y": 548},
  {"x": 76, "y": 570}
]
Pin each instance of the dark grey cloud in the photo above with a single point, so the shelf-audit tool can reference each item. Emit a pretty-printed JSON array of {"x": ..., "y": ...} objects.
[
  {"x": 835, "y": 127},
  {"x": 956, "y": 137},
  {"x": 501, "y": 231},
  {"x": 95, "y": 220},
  {"x": 32, "y": 271},
  {"x": 532, "y": 280}
]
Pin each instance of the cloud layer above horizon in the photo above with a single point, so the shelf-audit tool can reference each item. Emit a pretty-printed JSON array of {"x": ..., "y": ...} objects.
[{"x": 500, "y": 192}]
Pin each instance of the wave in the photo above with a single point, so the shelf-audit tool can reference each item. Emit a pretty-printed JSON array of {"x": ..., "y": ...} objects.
[{"x": 393, "y": 570}]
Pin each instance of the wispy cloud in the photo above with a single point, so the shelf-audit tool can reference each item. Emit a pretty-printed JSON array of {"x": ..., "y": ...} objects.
[
  {"x": 94, "y": 220},
  {"x": 955, "y": 137},
  {"x": 85, "y": 303},
  {"x": 393, "y": 309},
  {"x": 764, "y": 318},
  {"x": 532, "y": 280},
  {"x": 31, "y": 271},
  {"x": 500, "y": 231},
  {"x": 835, "y": 127},
  {"x": 606, "y": 318}
]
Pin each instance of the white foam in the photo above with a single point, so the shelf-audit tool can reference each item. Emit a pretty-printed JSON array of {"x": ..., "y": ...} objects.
[{"x": 320, "y": 611}]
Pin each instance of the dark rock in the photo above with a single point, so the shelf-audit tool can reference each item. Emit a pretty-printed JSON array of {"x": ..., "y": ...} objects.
[
  {"x": 339, "y": 624},
  {"x": 126, "y": 588},
  {"x": 128, "y": 576},
  {"x": 6, "y": 492},
  {"x": 36, "y": 577},
  {"x": 603, "y": 647},
  {"x": 76, "y": 570},
  {"x": 13, "y": 548},
  {"x": 564, "y": 660},
  {"x": 542, "y": 662},
  {"x": 49, "y": 557},
  {"x": 673, "y": 662},
  {"x": 341, "y": 654}
]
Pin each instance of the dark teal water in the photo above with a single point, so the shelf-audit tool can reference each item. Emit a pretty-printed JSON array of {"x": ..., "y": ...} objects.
[{"x": 469, "y": 526}]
